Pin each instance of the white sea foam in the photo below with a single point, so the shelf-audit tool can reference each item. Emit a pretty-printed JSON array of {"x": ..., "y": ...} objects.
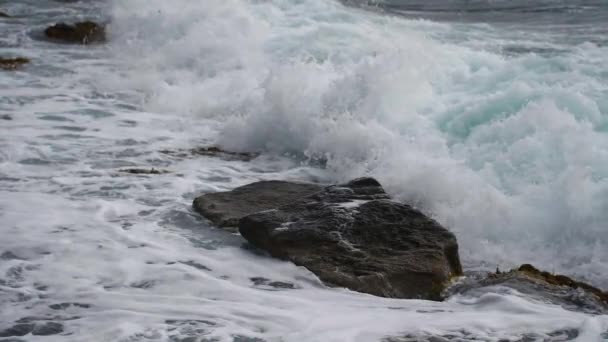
[{"x": 509, "y": 152}]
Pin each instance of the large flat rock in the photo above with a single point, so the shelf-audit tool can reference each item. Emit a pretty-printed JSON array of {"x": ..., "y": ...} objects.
[{"x": 354, "y": 236}]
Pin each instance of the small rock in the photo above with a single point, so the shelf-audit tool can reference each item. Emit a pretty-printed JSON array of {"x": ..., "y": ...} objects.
[
  {"x": 47, "y": 329},
  {"x": 86, "y": 32},
  {"x": 151, "y": 171},
  {"x": 144, "y": 284},
  {"x": 6, "y": 117},
  {"x": 189, "y": 322},
  {"x": 8, "y": 255},
  {"x": 196, "y": 265},
  {"x": 241, "y": 338},
  {"x": 562, "y": 280},
  {"x": 212, "y": 151},
  {"x": 13, "y": 63},
  {"x": 63, "y": 306},
  {"x": 17, "y": 330},
  {"x": 4, "y": 15},
  {"x": 260, "y": 281},
  {"x": 527, "y": 279}
]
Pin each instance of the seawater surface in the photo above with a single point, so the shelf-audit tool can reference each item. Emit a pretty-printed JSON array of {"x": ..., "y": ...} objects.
[{"x": 490, "y": 116}]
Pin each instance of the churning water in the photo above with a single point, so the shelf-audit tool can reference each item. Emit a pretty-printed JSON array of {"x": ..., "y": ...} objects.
[{"x": 491, "y": 116}]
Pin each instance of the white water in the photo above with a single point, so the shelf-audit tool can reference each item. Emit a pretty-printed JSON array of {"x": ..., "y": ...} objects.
[
  {"x": 510, "y": 152},
  {"x": 507, "y": 151}
]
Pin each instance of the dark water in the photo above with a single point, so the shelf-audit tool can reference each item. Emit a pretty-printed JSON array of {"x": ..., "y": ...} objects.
[
  {"x": 573, "y": 21},
  {"x": 539, "y": 12}
]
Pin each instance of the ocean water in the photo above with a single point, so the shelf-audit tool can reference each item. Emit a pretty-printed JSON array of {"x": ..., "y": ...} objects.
[{"x": 490, "y": 116}]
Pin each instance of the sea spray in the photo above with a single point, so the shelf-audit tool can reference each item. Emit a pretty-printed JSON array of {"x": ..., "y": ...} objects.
[{"x": 509, "y": 151}]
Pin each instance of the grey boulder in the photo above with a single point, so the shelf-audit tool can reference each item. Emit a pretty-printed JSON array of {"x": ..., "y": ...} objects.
[{"x": 351, "y": 235}]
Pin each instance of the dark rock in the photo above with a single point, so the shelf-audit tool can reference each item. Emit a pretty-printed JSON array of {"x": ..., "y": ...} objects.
[
  {"x": 63, "y": 306},
  {"x": 543, "y": 286},
  {"x": 196, "y": 265},
  {"x": 13, "y": 63},
  {"x": 211, "y": 151},
  {"x": 8, "y": 255},
  {"x": 47, "y": 329},
  {"x": 31, "y": 319},
  {"x": 185, "y": 339},
  {"x": 354, "y": 236},
  {"x": 214, "y": 151},
  {"x": 260, "y": 281},
  {"x": 4, "y": 15},
  {"x": 144, "y": 284},
  {"x": 464, "y": 335},
  {"x": 189, "y": 322},
  {"x": 226, "y": 208},
  {"x": 60, "y": 306},
  {"x": 86, "y": 32},
  {"x": 241, "y": 338},
  {"x": 6, "y": 117},
  {"x": 17, "y": 330},
  {"x": 151, "y": 171},
  {"x": 40, "y": 287},
  {"x": 562, "y": 280}
]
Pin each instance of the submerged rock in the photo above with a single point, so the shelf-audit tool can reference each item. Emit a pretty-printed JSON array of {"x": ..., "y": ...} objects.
[
  {"x": 462, "y": 335},
  {"x": 552, "y": 288},
  {"x": 151, "y": 171},
  {"x": 86, "y": 32},
  {"x": 225, "y": 209},
  {"x": 47, "y": 329},
  {"x": 211, "y": 151},
  {"x": 13, "y": 63},
  {"x": 351, "y": 235},
  {"x": 17, "y": 330},
  {"x": 261, "y": 281},
  {"x": 4, "y": 15}
]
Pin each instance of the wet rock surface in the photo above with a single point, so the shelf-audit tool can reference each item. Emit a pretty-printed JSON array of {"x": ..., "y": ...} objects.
[
  {"x": 9, "y": 255},
  {"x": 466, "y": 336},
  {"x": 4, "y": 15},
  {"x": 15, "y": 63},
  {"x": 538, "y": 285},
  {"x": 261, "y": 281},
  {"x": 47, "y": 329},
  {"x": 225, "y": 209},
  {"x": 64, "y": 306},
  {"x": 184, "y": 330},
  {"x": 21, "y": 329},
  {"x": 351, "y": 235},
  {"x": 152, "y": 171},
  {"x": 86, "y": 32},
  {"x": 25, "y": 327},
  {"x": 211, "y": 151}
]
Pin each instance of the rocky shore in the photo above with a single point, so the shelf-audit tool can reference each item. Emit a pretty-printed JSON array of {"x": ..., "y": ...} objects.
[{"x": 354, "y": 235}]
